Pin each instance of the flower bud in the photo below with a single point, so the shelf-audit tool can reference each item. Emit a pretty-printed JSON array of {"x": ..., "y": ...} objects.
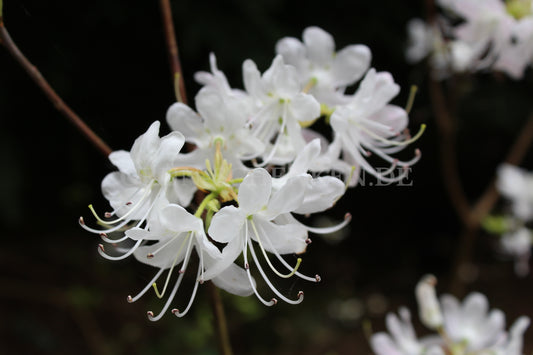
[{"x": 428, "y": 305}]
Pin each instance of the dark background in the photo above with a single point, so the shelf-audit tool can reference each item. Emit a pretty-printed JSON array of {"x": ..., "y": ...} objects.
[{"x": 107, "y": 59}]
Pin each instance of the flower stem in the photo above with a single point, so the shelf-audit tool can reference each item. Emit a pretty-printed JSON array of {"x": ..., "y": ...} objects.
[
  {"x": 224, "y": 343},
  {"x": 59, "y": 104}
]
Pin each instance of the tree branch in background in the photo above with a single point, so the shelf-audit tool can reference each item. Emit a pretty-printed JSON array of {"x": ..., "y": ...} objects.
[
  {"x": 173, "y": 54},
  {"x": 59, "y": 104}
]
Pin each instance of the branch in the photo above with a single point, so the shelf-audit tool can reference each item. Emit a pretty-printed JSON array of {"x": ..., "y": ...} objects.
[
  {"x": 59, "y": 104},
  {"x": 172, "y": 48},
  {"x": 224, "y": 343}
]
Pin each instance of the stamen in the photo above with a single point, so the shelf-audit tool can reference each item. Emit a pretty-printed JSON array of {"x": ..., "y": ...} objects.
[
  {"x": 280, "y": 258},
  {"x": 391, "y": 142},
  {"x": 326, "y": 230},
  {"x": 112, "y": 241},
  {"x": 167, "y": 304},
  {"x": 121, "y": 257},
  {"x": 285, "y": 276},
  {"x": 270, "y": 285},
  {"x": 146, "y": 288},
  {"x": 175, "y": 311},
  {"x": 308, "y": 241},
  {"x": 411, "y": 99},
  {"x": 160, "y": 295},
  {"x": 273, "y": 301}
]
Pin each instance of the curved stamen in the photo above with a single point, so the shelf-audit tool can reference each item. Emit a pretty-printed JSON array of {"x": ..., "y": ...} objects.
[
  {"x": 273, "y": 301},
  {"x": 285, "y": 276},
  {"x": 286, "y": 264},
  {"x": 327, "y": 230},
  {"x": 167, "y": 304},
  {"x": 384, "y": 156},
  {"x": 160, "y": 295},
  {"x": 270, "y": 285},
  {"x": 146, "y": 288},
  {"x": 121, "y": 257},
  {"x": 133, "y": 209},
  {"x": 179, "y": 314},
  {"x": 106, "y": 239},
  {"x": 392, "y": 142},
  {"x": 278, "y": 140}
]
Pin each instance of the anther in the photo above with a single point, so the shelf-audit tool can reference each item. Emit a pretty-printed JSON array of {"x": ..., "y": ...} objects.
[
  {"x": 149, "y": 255},
  {"x": 275, "y": 301},
  {"x": 181, "y": 271},
  {"x": 201, "y": 281},
  {"x": 175, "y": 311},
  {"x": 347, "y": 216},
  {"x": 82, "y": 222},
  {"x": 130, "y": 299},
  {"x": 108, "y": 214},
  {"x": 300, "y": 294},
  {"x": 128, "y": 203},
  {"x": 103, "y": 235},
  {"x": 101, "y": 247},
  {"x": 318, "y": 278},
  {"x": 308, "y": 241},
  {"x": 246, "y": 266},
  {"x": 418, "y": 152},
  {"x": 150, "y": 314}
]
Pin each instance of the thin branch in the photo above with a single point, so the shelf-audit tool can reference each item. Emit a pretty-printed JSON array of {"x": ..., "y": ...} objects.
[
  {"x": 224, "y": 343},
  {"x": 59, "y": 104},
  {"x": 173, "y": 54}
]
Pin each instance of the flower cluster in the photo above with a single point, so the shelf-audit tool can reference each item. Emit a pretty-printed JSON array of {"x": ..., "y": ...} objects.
[
  {"x": 516, "y": 185},
  {"x": 475, "y": 35},
  {"x": 465, "y": 328},
  {"x": 251, "y": 167}
]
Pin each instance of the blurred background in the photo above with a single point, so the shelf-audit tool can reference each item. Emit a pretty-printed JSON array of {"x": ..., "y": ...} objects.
[{"x": 107, "y": 59}]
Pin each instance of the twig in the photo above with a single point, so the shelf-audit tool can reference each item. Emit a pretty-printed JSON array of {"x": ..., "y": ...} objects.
[
  {"x": 173, "y": 54},
  {"x": 59, "y": 104},
  {"x": 224, "y": 343}
]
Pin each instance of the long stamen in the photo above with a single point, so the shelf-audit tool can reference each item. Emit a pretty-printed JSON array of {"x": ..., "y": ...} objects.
[
  {"x": 411, "y": 99},
  {"x": 273, "y": 301},
  {"x": 327, "y": 230},
  {"x": 167, "y": 304},
  {"x": 391, "y": 142},
  {"x": 132, "y": 209},
  {"x": 270, "y": 285},
  {"x": 146, "y": 288},
  {"x": 106, "y": 239},
  {"x": 278, "y": 139},
  {"x": 317, "y": 278},
  {"x": 160, "y": 295},
  {"x": 285, "y": 276},
  {"x": 179, "y": 314},
  {"x": 121, "y": 257}
]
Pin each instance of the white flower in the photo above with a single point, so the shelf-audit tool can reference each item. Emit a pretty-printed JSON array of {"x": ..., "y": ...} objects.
[
  {"x": 518, "y": 244},
  {"x": 328, "y": 72},
  {"x": 428, "y": 305},
  {"x": 282, "y": 107},
  {"x": 220, "y": 118},
  {"x": 514, "y": 342},
  {"x": 402, "y": 339},
  {"x": 516, "y": 184},
  {"x": 368, "y": 124},
  {"x": 471, "y": 323},
  {"x": 175, "y": 233},
  {"x": 142, "y": 186}
]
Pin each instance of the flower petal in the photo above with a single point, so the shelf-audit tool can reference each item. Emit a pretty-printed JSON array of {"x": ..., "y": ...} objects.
[
  {"x": 284, "y": 239},
  {"x": 234, "y": 280},
  {"x": 254, "y": 191},
  {"x": 122, "y": 160},
  {"x": 176, "y": 219},
  {"x": 227, "y": 224},
  {"x": 350, "y": 64},
  {"x": 182, "y": 118},
  {"x": 319, "y": 44},
  {"x": 320, "y": 194}
]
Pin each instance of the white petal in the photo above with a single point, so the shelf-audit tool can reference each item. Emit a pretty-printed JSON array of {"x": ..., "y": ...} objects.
[
  {"x": 144, "y": 148},
  {"x": 288, "y": 198},
  {"x": 182, "y": 118},
  {"x": 230, "y": 252},
  {"x": 350, "y": 64},
  {"x": 285, "y": 239},
  {"x": 165, "y": 257},
  {"x": 292, "y": 50},
  {"x": 252, "y": 79},
  {"x": 122, "y": 160},
  {"x": 254, "y": 191},
  {"x": 226, "y": 224},
  {"x": 234, "y": 280},
  {"x": 319, "y": 44},
  {"x": 181, "y": 191},
  {"x": 139, "y": 233},
  {"x": 320, "y": 194},
  {"x": 382, "y": 344},
  {"x": 165, "y": 156},
  {"x": 304, "y": 107},
  {"x": 176, "y": 219},
  {"x": 392, "y": 116}
]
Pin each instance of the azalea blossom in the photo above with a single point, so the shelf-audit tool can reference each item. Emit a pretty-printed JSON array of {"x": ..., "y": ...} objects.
[{"x": 463, "y": 328}]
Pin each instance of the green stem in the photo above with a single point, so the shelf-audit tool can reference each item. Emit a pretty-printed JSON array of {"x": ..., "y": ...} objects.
[{"x": 204, "y": 203}]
